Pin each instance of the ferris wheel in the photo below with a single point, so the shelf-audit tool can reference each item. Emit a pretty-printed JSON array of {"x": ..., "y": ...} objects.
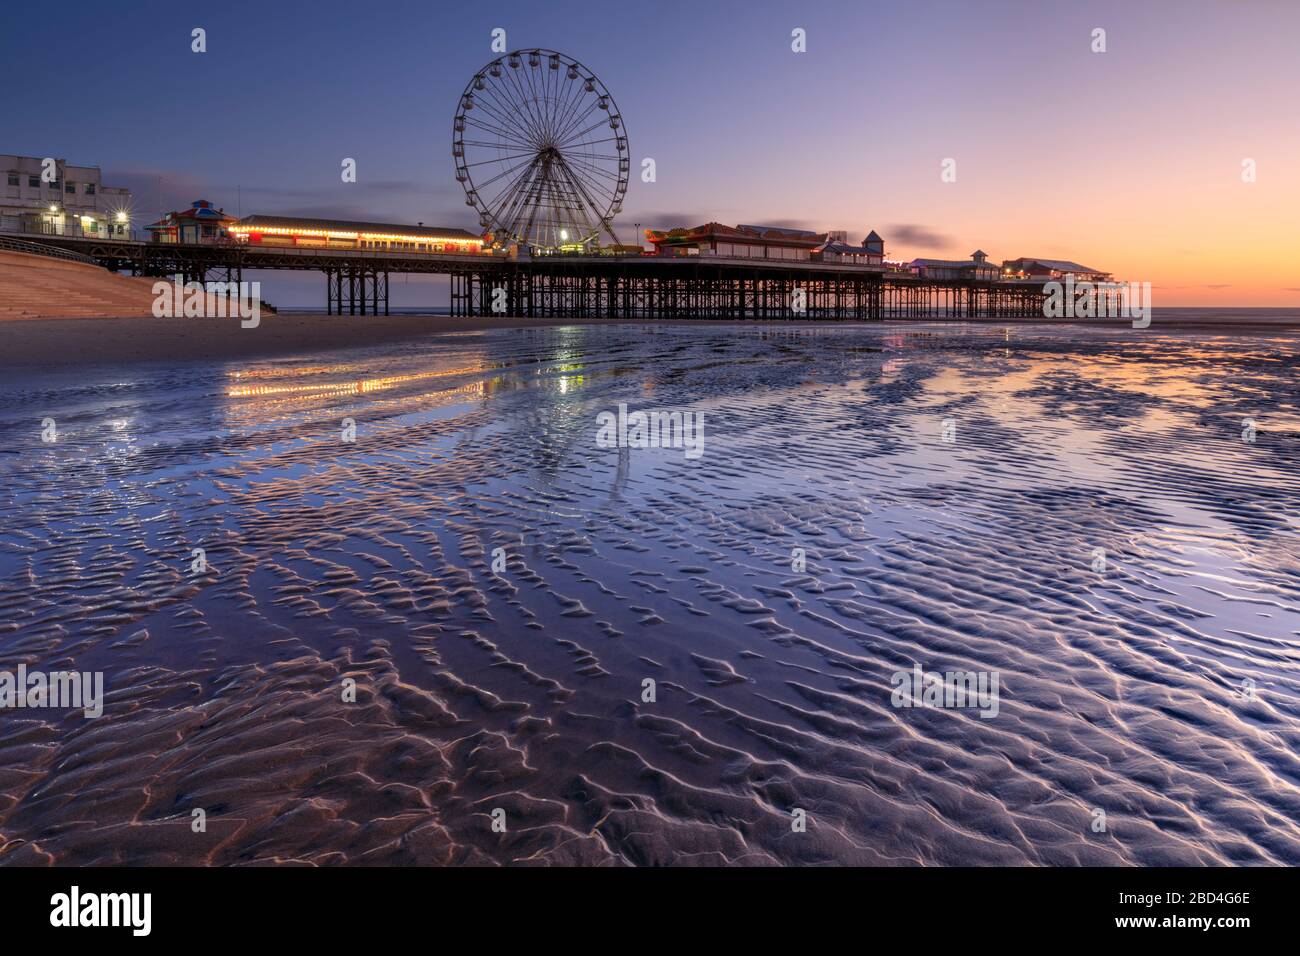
[{"x": 541, "y": 151}]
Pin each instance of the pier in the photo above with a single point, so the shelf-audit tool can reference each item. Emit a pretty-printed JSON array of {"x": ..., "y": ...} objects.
[{"x": 587, "y": 286}]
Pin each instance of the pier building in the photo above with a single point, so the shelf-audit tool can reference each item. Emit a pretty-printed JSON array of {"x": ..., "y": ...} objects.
[
  {"x": 1050, "y": 269},
  {"x": 837, "y": 249},
  {"x": 737, "y": 242},
  {"x": 201, "y": 224},
  {"x": 975, "y": 269},
  {"x": 294, "y": 232}
]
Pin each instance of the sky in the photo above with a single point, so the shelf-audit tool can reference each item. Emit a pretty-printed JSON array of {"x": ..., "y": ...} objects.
[{"x": 1129, "y": 160}]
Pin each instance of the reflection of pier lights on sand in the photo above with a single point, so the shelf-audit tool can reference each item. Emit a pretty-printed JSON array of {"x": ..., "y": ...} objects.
[{"x": 357, "y": 387}]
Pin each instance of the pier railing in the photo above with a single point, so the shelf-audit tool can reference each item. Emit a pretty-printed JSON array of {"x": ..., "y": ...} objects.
[
  {"x": 71, "y": 229},
  {"x": 10, "y": 244}
]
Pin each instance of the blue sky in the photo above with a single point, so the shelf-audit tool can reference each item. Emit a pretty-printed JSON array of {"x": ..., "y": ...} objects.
[{"x": 848, "y": 135}]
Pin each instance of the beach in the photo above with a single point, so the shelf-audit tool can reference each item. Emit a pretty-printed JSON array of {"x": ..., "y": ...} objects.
[
  {"x": 427, "y": 593},
  {"x": 55, "y": 342}
]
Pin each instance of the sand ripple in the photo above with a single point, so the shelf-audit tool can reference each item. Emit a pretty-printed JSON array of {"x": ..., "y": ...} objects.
[{"x": 458, "y": 614}]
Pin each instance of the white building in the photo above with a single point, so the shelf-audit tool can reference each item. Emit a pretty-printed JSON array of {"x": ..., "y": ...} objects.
[{"x": 61, "y": 199}]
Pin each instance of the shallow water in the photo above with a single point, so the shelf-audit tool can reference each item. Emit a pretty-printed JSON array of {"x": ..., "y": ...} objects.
[{"x": 1162, "y": 689}]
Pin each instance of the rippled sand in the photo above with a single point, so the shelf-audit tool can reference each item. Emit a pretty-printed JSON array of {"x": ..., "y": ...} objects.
[{"x": 1121, "y": 689}]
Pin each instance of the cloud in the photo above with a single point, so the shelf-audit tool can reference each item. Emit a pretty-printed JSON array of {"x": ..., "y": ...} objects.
[
  {"x": 650, "y": 219},
  {"x": 787, "y": 224},
  {"x": 1222, "y": 285},
  {"x": 408, "y": 185},
  {"x": 366, "y": 212},
  {"x": 155, "y": 191},
  {"x": 915, "y": 236}
]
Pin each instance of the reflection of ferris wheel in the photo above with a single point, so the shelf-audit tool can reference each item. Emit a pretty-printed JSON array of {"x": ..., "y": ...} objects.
[{"x": 541, "y": 151}]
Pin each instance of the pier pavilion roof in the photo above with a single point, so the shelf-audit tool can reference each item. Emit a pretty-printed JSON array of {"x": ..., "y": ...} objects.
[
  {"x": 844, "y": 249},
  {"x": 1055, "y": 265},
  {"x": 950, "y": 263},
  {"x": 200, "y": 211},
  {"x": 759, "y": 234},
  {"x": 349, "y": 226}
]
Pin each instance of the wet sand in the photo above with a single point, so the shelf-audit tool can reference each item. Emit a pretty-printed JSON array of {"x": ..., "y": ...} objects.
[
  {"x": 54, "y": 342},
  {"x": 522, "y": 688},
  {"x": 70, "y": 342}
]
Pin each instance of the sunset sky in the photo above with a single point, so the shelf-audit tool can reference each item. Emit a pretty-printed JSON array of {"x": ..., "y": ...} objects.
[{"x": 1128, "y": 160}]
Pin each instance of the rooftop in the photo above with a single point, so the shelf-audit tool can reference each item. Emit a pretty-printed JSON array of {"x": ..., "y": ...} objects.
[
  {"x": 1059, "y": 265},
  {"x": 200, "y": 211},
  {"x": 347, "y": 225},
  {"x": 768, "y": 233},
  {"x": 952, "y": 263}
]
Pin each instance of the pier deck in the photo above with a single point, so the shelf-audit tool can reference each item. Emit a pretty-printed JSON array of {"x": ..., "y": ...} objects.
[{"x": 588, "y": 286}]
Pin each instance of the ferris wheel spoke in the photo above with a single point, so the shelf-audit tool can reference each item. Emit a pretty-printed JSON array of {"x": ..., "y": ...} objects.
[
  {"x": 518, "y": 104},
  {"x": 575, "y": 121},
  {"x": 578, "y": 187},
  {"x": 535, "y": 206},
  {"x": 573, "y": 100},
  {"x": 571, "y": 96},
  {"x": 506, "y": 113},
  {"x": 514, "y": 124},
  {"x": 528, "y": 99},
  {"x": 552, "y": 92},
  {"x": 593, "y": 172},
  {"x": 500, "y": 159},
  {"x": 590, "y": 159},
  {"x": 505, "y": 206},
  {"x": 488, "y": 183},
  {"x": 511, "y": 186},
  {"x": 557, "y": 103},
  {"x": 576, "y": 136},
  {"x": 509, "y": 138},
  {"x": 544, "y": 105},
  {"x": 497, "y": 148},
  {"x": 592, "y": 189},
  {"x": 596, "y": 167},
  {"x": 511, "y": 209},
  {"x": 607, "y": 139},
  {"x": 502, "y": 125},
  {"x": 571, "y": 132}
]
